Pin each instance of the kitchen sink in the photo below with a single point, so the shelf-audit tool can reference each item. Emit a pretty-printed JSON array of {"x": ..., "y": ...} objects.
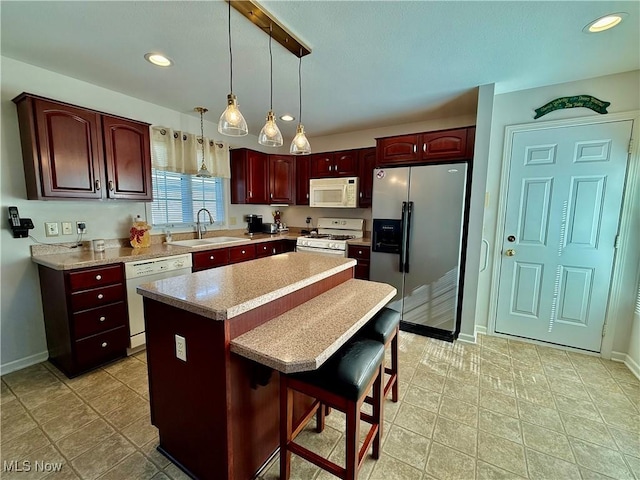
[{"x": 203, "y": 242}]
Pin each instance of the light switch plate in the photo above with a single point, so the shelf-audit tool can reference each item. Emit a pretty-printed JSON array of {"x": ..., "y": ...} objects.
[{"x": 51, "y": 229}]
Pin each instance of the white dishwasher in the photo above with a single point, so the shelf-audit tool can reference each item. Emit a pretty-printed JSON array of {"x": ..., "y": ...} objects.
[{"x": 146, "y": 271}]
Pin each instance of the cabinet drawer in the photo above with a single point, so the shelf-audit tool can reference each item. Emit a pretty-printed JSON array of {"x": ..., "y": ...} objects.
[
  {"x": 96, "y": 297},
  {"x": 95, "y": 277},
  {"x": 96, "y": 320},
  {"x": 266, "y": 249},
  {"x": 359, "y": 252},
  {"x": 210, "y": 259},
  {"x": 97, "y": 349},
  {"x": 242, "y": 253}
]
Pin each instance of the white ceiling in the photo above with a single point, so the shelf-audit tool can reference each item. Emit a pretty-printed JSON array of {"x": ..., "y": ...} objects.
[{"x": 373, "y": 63}]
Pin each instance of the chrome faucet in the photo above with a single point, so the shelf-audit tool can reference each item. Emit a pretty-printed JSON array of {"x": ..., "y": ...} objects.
[{"x": 200, "y": 227}]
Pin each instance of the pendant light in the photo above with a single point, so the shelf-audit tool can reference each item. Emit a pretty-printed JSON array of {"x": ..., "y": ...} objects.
[
  {"x": 270, "y": 135},
  {"x": 300, "y": 144},
  {"x": 231, "y": 122},
  {"x": 203, "y": 172}
]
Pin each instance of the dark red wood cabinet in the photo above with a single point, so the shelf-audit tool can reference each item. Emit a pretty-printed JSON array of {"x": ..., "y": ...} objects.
[
  {"x": 281, "y": 179},
  {"x": 442, "y": 145},
  {"x": 209, "y": 259},
  {"x": 366, "y": 165},
  {"x": 242, "y": 253},
  {"x": 85, "y": 315},
  {"x": 303, "y": 175},
  {"x": 334, "y": 164},
  {"x": 362, "y": 254},
  {"x": 74, "y": 152},
  {"x": 249, "y": 177}
]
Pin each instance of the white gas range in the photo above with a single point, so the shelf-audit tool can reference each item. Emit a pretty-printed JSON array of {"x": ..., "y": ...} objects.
[{"x": 332, "y": 236}]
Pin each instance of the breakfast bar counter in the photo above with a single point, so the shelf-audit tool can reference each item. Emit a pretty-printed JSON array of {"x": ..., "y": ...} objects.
[{"x": 216, "y": 340}]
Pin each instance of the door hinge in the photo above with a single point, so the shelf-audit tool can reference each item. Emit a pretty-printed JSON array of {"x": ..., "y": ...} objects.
[
  {"x": 616, "y": 242},
  {"x": 604, "y": 329},
  {"x": 630, "y": 145}
]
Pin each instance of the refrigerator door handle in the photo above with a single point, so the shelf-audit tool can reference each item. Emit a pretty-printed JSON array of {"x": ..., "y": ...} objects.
[
  {"x": 407, "y": 237},
  {"x": 403, "y": 220}
]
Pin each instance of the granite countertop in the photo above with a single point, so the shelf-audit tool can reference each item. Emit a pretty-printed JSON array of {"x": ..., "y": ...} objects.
[
  {"x": 69, "y": 259},
  {"x": 364, "y": 242},
  {"x": 305, "y": 337},
  {"x": 226, "y": 292}
]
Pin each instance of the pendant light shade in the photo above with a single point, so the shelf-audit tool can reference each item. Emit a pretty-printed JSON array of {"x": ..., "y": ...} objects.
[
  {"x": 300, "y": 145},
  {"x": 203, "y": 172},
  {"x": 270, "y": 135},
  {"x": 231, "y": 122}
]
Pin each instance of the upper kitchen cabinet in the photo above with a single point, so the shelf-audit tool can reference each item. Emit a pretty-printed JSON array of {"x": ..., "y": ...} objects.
[
  {"x": 249, "y": 177},
  {"x": 303, "y": 174},
  {"x": 281, "y": 179},
  {"x": 456, "y": 144},
  {"x": 366, "y": 165},
  {"x": 73, "y": 152},
  {"x": 334, "y": 164}
]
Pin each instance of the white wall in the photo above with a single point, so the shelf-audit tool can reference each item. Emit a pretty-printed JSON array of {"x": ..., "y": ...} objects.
[
  {"x": 22, "y": 339},
  {"x": 623, "y": 91}
]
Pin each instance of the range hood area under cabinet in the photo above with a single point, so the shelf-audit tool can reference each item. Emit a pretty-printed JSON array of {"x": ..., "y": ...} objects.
[{"x": 77, "y": 153}]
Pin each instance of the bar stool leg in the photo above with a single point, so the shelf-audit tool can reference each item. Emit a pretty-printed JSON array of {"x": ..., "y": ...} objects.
[
  {"x": 320, "y": 414},
  {"x": 352, "y": 439},
  {"x": 394, "y": 366},
  {"x": 286, "y": 420},
  {"x": 378, "y": 410}
]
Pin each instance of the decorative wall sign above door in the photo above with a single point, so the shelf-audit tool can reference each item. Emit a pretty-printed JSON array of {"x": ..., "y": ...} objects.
[{"x": 586, "y": 101}]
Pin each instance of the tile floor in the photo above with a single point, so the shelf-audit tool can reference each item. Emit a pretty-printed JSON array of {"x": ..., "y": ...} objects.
[{"x": 497, "y": 410}]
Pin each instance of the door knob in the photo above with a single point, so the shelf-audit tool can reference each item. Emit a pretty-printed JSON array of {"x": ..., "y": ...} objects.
[{"x": 510, "y": 253}]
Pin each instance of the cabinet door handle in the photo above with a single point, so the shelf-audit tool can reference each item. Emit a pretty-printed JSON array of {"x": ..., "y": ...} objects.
[
  {"x": 97, "y": 184},
  {"x": 250, "y": 194},
  {"x": 271, "y": 195},
  {"x": 102, "y": 319},
  {"x": 98, "y": 277},
  {"x": 307, "y": 195},
  {"x": 104, "y": 344},
  {"x": 424, "y": 147},
  {"x": 111, "y": 185},
  {"x": 415, "y": 148},
  {"x": 243, "y": 252},
  {"x": 212, "y": 257},
  {"x": 360, "y": 194},
  {"x": 359, "y": 252},
  {"x": 100, "y": 296}
]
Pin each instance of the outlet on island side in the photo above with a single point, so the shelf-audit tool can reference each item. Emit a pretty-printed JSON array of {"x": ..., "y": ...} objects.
[{"x": 181, "y": 348}]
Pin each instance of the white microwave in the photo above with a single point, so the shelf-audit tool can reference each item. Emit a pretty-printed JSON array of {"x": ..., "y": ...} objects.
[{"x": 339, "y": 192}]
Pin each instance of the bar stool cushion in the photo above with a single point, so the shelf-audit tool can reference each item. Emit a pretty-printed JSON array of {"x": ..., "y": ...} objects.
[
  {"x": 381, "y": 327},
  {"x": 348, "y": 371}
]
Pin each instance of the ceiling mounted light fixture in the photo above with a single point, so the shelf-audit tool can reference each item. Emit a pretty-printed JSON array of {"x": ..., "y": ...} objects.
[
  {"x": 231, "y": 122},
  {"x": 158, "y": 59},
  {"x": 300, "y": 145},
  {"x": 605, "y": 23},
  {"x": 270, "y": 135},
  {"x": 203, "y": 172},
  {"x": 287, "y": 118}
]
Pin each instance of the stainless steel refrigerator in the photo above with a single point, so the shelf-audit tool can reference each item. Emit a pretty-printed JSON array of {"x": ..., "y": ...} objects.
[{"x": 418, "y": 239}]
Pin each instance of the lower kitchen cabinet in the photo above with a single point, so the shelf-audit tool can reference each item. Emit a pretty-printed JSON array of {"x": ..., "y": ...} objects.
[
  {"x": 210, "y": 259},
  {"x": 363, "y": 256},
  {"x": 85, "y": 315},
  {"x": 225, "y": 256},
  {"x": 242, "y": 253}
]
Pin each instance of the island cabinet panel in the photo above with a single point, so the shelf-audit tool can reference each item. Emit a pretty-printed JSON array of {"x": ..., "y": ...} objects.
[
  {"x": 443, "y": 145},
  {"x": 209, "y": 259},
  {"x": 303, "y": 175},
  {"x": 281, "y": 179},
  {"x": 74, "y": 152},
  {"x": 85, "y": 315}
]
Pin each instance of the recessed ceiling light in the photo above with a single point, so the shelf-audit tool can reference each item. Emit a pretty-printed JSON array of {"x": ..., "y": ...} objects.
[
  {"x": 158, "y": 59},
  {"x": 604, "y": 23},
  {"x": 287, "y": 118}
]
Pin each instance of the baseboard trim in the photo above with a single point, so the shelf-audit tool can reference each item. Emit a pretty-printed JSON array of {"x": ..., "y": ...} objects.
[
  {"x": 463, "y": 337},
  {"x": 628, "y": 361},
  {"x": 23, "y": 362},
  {"x": 481, "y": 329}
]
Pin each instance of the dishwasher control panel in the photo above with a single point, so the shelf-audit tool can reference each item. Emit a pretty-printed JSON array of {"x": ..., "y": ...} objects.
[{"x": 152, "y": 266}]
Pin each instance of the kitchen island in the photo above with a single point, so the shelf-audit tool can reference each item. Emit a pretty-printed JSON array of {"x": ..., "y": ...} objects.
[{"x": 217, "y": 411}]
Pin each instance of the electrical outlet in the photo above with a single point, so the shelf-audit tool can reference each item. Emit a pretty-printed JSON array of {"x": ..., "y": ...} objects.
[
  {"x": 308, "y": 220},
  {"x": 51, "y": 229},
  {"x": 82, "y": 227},
  {"x": 66, "y": 228},
  {"x": 232, "y": 220},
  {"x": 181, "y": 348}
]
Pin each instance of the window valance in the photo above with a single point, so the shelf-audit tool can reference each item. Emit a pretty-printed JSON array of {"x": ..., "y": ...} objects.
[{"x": 181, "y": 152}]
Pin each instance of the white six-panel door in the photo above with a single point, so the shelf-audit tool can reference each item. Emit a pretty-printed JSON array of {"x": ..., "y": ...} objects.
[{"x": 563, "y": 208}]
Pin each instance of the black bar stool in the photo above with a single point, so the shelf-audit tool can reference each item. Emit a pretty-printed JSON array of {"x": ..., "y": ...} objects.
[
  {"x": 343, "y": 383},
  {"x": 384, "y": 328}
]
